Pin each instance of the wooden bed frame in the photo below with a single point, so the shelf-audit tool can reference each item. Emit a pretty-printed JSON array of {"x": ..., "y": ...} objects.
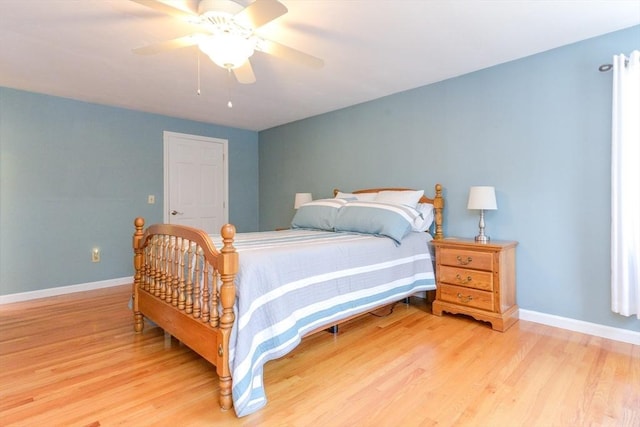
[{"x": 175, "y": 266}]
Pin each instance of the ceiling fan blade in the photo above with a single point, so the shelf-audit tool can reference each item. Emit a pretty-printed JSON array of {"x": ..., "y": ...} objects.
[
  {"x": 244, "y": 73},
  {"x": 290, "y": 54},
  {"x": 259, "y": 13},
  {"x": 166, "y": 8},
  {"x": 180, "y": 42}
]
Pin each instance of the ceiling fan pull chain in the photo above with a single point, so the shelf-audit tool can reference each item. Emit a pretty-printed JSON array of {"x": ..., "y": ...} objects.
[
  {"x": 198, "y": 73},
  {"x": 229, "y": 83}
]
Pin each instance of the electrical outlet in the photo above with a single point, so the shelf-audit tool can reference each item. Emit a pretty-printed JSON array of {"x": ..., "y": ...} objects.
[
  {"x": 95, "y": 255},
  {"x": 151, "y": 199}
]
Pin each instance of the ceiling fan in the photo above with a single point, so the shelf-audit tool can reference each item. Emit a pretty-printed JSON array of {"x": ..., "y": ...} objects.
[{"x": 227, "y": 34}]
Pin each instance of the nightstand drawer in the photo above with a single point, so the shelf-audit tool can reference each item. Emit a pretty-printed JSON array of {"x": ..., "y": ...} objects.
[
  {"x": 468, "y": 259},
  {"x": 464, "y": 277},
  {"x": 468, "y": 297}
]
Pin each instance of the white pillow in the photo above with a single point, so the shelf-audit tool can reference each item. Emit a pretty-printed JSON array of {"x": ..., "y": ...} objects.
[
  {"x": 423, "y": 223},
  {"x": 367, "y": 197},
  {"x": 404, "y": 197}
]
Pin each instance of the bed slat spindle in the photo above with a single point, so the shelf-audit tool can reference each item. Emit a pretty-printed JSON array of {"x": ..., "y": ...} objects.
[
  {"x": 165, "y": 282},
  {"x": 205, "y": 293},
  {"x": 172, "y": 272},
  {"x": 215, "y": 313},
  {"x": 181, "y": 286},
  {"x": 147, "y": 269},
  {"x": 197, "y": 289},
  {"x": 157, "y": 262},
  {"x": 188, "y": 305}
]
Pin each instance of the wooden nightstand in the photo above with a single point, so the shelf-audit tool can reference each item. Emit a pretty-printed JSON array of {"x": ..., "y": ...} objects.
[{"x": 477, "y": 279}]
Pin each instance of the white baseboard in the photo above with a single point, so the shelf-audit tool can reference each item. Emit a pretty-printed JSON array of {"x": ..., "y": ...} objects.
[
  {"x": 609, "y": 332},
  {"x": 617, "y": 334},
  {"x": 43, "y": 293}
]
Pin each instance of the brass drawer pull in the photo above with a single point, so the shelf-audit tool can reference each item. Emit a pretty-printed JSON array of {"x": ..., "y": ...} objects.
[
  {"x": 463, "y": 261},
  {"x": 463, "y": 281},
  {"x": 463, "y": 298}
]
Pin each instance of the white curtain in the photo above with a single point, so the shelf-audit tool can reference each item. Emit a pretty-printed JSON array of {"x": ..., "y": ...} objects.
[{"x": 625, "y": 186}]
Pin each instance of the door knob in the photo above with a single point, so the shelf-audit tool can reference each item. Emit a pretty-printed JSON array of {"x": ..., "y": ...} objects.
[{"x": 175, "y": 212}]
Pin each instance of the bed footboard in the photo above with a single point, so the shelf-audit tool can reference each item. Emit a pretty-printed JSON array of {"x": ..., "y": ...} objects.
[{"x": 186, "y": 286}]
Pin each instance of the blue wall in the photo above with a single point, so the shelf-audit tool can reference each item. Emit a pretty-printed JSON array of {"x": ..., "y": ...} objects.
[
  {"x": 538, "y": 129},
  {"x": 74, "y": 175}
]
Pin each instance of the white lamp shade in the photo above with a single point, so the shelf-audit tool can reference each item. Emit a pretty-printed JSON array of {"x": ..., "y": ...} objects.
[
  {"x": 482, "y": 197},
  {"x": 301, "y": 199}
]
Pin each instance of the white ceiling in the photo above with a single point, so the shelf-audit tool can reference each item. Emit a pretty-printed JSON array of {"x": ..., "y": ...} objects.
[{"x": 81, "y": 49}]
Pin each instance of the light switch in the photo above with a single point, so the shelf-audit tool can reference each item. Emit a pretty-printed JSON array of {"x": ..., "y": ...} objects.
[
  {"x": 95, "y": 255},
  {"x": 151, "y": 199}
]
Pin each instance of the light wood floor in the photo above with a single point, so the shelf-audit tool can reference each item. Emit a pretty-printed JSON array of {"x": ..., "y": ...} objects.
[{"x": 74, "y": 361}]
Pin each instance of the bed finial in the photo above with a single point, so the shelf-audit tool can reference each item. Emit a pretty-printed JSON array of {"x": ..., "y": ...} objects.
[
  {"x": 228, "y": 232},
  {"x": 139, "y": 222}
]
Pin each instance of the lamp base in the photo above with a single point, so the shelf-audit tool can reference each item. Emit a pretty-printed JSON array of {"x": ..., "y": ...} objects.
[{"x": 481, "y": 238}]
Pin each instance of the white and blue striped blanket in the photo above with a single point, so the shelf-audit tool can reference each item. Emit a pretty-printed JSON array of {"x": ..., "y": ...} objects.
[{"x": 292, "y": 282}]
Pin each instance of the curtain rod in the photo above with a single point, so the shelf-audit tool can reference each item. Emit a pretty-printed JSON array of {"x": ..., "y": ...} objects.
[{"x": 606, "y": 67}]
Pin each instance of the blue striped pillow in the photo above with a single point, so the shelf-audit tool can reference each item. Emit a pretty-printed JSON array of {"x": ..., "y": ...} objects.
[
  {"x": 380, "y": 219},
  {"x": 319, "y": 214}
]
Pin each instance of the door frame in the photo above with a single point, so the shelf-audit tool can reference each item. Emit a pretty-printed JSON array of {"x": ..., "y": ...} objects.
[{"x": 166, "y": 136}]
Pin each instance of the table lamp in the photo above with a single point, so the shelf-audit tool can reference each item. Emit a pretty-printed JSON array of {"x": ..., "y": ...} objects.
[
  {"x": 301, "y": 199},
  {"x": 482, "y": 198}
]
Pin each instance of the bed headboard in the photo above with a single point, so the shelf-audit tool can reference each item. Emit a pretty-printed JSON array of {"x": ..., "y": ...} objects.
[{"x": 437, "y": 201}]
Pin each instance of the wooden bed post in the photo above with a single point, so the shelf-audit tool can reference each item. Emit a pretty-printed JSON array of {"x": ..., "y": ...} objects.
[
  {"x": 438, "y": 206},
  {"x": 228, "y": 267},
  {"x": 138, "y": 321}
]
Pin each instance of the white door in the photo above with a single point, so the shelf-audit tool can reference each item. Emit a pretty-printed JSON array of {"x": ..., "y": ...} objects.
[{"x": 195, "y": 181}]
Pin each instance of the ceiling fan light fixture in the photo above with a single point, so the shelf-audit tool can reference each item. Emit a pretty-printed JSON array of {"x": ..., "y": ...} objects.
[
  {"x": 227, "y": 33},
  {"x": 228, "y": 50}
]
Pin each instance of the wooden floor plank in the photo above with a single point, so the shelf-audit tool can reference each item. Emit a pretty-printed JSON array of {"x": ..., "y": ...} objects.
[{"x": 74, "y": 360}]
